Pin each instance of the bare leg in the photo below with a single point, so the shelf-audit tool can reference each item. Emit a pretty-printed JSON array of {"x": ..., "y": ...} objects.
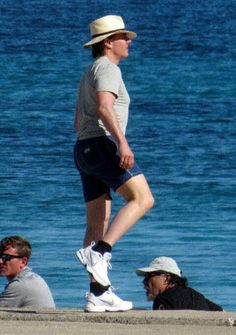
[
  {"x": 139, "y": 200},
  {"x": 98, "y": 215}
]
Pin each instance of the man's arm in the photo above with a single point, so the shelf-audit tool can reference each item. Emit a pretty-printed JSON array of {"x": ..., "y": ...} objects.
[
  {"x": 12, "y": 295},
  {"x": 106, "y": 112}
]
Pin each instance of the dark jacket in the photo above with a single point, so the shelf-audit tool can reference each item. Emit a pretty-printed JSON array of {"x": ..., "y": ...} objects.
[{"x": 179, "y": 297}]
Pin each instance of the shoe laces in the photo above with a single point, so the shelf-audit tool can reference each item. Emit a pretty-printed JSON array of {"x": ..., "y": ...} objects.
[
  {"x": 111, "y": 289},
  {"x": 107, "y": 257}
]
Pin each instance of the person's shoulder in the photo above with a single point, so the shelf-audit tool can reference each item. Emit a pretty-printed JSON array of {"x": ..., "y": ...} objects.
[
  {"x": 103, "y": 64},
  {"x": 26, "y": 274},
  {"x": 191, "y": 292},
  {"x": 18, "y": 283},
  {"x": 184, "y": 289},
  {"x": 104, "y": 61},
  {"x": 194, "y": 292},
  {"x": 177, "y": 291}
]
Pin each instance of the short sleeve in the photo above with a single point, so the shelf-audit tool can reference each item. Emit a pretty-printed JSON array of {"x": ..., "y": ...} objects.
[{"x": 108, "y": 78}]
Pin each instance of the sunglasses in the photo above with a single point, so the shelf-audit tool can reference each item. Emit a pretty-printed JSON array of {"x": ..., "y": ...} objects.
[
  {"x": 149, "y": 275},
  {"x": 7, "y": 257}
]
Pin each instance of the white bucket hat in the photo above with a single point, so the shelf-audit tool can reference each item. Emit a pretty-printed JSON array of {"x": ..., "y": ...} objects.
[
  {"x": 106, "y": 26},
  {"x": 163, "y": 263}
]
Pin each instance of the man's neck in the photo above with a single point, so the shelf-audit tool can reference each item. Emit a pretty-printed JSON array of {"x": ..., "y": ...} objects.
[{"x": 112, "y": 58}]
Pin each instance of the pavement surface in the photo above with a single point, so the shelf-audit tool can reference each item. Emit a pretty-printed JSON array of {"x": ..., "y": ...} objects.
[{"x": 135, "y": 322}]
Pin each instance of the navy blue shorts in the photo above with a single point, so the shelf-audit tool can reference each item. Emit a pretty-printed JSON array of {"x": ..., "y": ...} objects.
[{"x": 97, "y": 160}]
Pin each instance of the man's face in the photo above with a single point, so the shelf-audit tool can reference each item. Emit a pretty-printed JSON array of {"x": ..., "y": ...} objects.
[
  {"x": 10, "y": 268},
  {"x": 118, "y": 44},
  {"x": 155, "y": 284}
]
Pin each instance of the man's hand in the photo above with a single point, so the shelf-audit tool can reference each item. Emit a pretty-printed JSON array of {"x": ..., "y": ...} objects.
[
  {"x": 106, "y": 112},
  {"x": 126, "y": 156}
]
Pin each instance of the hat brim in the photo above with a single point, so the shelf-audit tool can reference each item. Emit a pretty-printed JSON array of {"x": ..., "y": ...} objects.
[
  {"x": 143, "y": 271},
  {"x": 131, "y": 35}
]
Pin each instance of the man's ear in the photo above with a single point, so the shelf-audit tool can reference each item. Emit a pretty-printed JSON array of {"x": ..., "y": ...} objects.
[
  {"x": 107, "y": 43},
  {"x": 24, "y": 261},
  {"x": 167, "y": 278}
]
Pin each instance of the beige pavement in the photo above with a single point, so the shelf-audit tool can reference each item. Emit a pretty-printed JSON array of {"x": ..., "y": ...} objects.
[{"x": 135, "y": 322}]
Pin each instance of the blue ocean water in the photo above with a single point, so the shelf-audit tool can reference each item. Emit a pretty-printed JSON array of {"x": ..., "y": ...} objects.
[{"x": 181, "y": 79}]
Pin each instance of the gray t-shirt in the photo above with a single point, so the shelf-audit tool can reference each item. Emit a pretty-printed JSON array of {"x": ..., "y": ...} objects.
[
  {"x": 101, "y": 76},
  {"x": 27, "y": 289}
]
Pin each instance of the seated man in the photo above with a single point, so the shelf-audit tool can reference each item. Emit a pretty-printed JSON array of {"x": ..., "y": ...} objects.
[
  {"x": 168, "y": 289},
  {"x": 24, "y": 288}
]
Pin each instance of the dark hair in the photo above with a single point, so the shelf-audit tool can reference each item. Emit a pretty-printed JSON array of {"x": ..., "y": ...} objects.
[
  {"x": 98, "y": 49},
  {"x": 176, "y": 280},
  {"x": 22, "y": 246}
]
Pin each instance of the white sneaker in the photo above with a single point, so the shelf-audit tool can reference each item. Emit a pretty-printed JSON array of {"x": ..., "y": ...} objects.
[
  {"x": 107, "y": 302},
  {"x": 96, "y": 263}
]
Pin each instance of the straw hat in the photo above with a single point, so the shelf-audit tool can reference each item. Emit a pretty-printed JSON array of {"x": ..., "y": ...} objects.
[{"x": 106, "y": 26}]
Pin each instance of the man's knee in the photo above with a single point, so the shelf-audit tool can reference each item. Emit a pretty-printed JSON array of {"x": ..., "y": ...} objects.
[{"x": 147, "y": 202}]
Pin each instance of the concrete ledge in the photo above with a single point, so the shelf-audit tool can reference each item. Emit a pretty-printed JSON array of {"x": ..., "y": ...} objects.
[{"x": 133, "y": 317}]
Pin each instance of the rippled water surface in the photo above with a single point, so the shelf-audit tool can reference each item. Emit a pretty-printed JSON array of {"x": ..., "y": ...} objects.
[{"x": 181, "y": 79}]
